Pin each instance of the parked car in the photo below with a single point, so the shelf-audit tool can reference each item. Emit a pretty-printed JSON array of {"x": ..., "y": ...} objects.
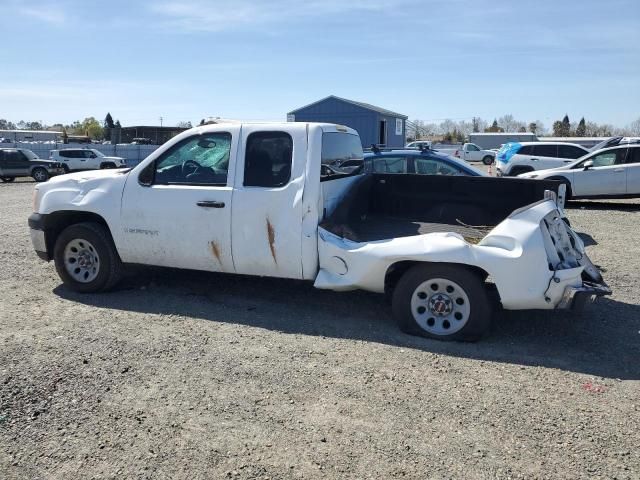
[
  {"x": 21, "y": 162},
  {"x": 471, "y": 152},
  {"x": 420, "y": 144},
  {"x": 249, "y": 199},
  {"x": 425, "y": 162},
  {"x": 75, "y": 159},
  {"x": 612, "y": 172},
  {"x": 515, "y": 158}
]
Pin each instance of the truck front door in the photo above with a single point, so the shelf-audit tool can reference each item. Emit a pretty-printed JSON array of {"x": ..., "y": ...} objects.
[
  {"x": 266, "y": 224},
  {"x": 176, "y": 212}
]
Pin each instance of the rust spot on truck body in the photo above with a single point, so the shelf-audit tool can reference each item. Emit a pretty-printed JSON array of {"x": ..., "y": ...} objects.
[
  {"x": 215, "y": 249},
  {"x": 271, "y": 234}
]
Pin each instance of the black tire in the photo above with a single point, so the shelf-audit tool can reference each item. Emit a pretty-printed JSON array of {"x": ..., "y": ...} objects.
[
  {"x": 479, "y": 318},
  {"x": 40, "y": 174},
  {"x": 110, "y": 266},
  {"x": 107, "y": 165},
  {"x": 65, "y": 168},
  {"x": 7, "y": 179},
  {"x": 488, "y": 160}
]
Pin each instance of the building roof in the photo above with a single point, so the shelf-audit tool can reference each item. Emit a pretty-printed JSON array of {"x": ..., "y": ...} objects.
[{"x": 366, "y": 106}]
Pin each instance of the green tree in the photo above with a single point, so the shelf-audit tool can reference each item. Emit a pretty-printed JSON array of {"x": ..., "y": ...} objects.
[
  {"x": 557, "y": 129},
  {"x": 89, "y": 127},
  {"x": 566, "y": 126},
  {"x": 581, "y": 130},
  {"x": 533, "y": 127},
  {"x": 7, "y": 125},
  {"x": 117, "y": 124},
  {"x": 108, "y": 121}
]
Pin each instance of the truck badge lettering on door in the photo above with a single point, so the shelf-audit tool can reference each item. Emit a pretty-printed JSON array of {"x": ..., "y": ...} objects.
[{"x": 141, "y": 231}]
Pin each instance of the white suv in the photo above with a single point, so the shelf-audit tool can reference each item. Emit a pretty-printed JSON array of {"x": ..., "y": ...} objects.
[
  {"x": 608, "y": 173},
  {"x": 517, "y": 158},
  {"x": 73, "y": 159}
]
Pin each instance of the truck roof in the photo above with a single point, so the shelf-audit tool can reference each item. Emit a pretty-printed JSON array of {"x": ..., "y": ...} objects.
[{"x": 331, "y": 127}]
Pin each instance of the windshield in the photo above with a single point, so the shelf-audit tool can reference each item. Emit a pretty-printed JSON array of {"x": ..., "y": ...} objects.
[
  {"x": 98, "y": 153},
  {"x": 30, "y": 155}
]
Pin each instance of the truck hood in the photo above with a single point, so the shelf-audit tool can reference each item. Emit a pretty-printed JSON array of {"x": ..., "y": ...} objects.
[{"x": 80, "y": 190}]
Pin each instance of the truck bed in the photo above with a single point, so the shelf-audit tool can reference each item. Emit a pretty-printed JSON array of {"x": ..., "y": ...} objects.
[
  {"x": 380, "y": 227},
  {"x": 384, "y": 206}
]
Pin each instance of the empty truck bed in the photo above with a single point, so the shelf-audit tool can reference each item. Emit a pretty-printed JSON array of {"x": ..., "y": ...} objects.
[{"x": 385, "y": 206}]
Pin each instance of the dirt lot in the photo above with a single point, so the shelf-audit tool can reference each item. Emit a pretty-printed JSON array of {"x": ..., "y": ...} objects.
[{"x": 192, "y": 375}]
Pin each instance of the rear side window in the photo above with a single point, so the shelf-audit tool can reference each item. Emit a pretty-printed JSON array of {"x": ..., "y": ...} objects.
[
  {"x": 432, "y": 166},
  {"x": 526, "y": 150},
  {"x": 545, "y": 150},
  {"x": 390, "y": 165},
  {"x": 338, "y": 147},
  {"x": 268, "y": 159},
  {"x": 569, "y": 151},
  {"x": 634, "y": 155}
]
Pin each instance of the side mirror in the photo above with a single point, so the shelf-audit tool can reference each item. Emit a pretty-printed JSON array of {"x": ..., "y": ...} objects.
[
  {"x": 146, "y": 175},
  {"x": 588, "y": 165}
]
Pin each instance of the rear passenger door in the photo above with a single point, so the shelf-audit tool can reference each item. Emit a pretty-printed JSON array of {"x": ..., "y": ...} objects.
[
  {"x": 632, "y": 166},
  {"x": 266, "y": 222},
  {"x": 545, "y": 156}
]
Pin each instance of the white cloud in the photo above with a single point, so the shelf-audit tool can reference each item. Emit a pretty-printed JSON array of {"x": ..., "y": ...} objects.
[
  {"x": 224, "y": 15},
  {"x": 52, "y": 14}
]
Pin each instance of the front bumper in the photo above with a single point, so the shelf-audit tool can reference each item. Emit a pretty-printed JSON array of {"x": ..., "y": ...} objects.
[{"x": 38, "y": 239}]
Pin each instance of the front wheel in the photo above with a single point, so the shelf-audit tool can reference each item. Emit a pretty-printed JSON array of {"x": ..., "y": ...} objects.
[
  {"x": 445, "y": 302},
  {"x": 488, "y": 160},
  {"x": 86, "y": 258},
  {"x": 7, "y": 179},
  {"x": 40, "y": 174}
]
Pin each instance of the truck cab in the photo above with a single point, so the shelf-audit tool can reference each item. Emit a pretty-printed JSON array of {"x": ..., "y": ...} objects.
[
  {"x": 253, "y": 199},
  {"x": 471, "y": 152}
]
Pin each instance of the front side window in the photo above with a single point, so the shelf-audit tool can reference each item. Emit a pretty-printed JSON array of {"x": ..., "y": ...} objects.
[
  {"x": 430, "y": 166},
  {"x": 89, "y": 154},
  {"x": 569, "y": 151},
  {"x": 612, "y": 157},
  {"x": 473, "y": 148},
  {"x": 390, "y": 165},
  {"x": 198, "y": 160},
  {"x": 268, "y": 159}
]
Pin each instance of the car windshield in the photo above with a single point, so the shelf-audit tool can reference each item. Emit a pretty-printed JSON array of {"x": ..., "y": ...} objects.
[
  {"x": 98, "y": 153},
  {"x": 30, "y": 155}
]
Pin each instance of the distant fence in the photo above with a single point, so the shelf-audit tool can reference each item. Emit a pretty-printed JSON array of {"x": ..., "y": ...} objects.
[{"x": 133, "y": 154}]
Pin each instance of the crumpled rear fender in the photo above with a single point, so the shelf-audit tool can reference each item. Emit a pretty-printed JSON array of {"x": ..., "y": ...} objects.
[{"x": 513, "y": 254}]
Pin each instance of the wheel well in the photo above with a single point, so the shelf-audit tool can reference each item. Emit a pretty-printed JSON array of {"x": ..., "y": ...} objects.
[
  {"x": 107, "y": 164},
  {"x": 56, "y": 222},
  {"x": 564, "y": 180},
  {"x": 396, "y": 270},
  {"x": 517, "y": 170}
]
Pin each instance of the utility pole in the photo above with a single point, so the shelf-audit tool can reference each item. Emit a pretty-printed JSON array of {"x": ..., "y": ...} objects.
[{"x": 160, "y": 121}]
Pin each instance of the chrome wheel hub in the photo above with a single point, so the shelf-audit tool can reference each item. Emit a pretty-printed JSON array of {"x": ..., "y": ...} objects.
[
  {"x": 440, "y": 306},
  {"x": 81, "y": 260}
]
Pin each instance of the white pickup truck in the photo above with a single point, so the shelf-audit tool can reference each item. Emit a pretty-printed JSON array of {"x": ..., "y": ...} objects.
[
  {"x": 250, "y": 199},
  {"x": 471, "y": 152}
]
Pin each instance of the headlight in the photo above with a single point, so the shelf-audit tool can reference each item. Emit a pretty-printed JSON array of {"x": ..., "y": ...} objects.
[{"x": 532, "y": 175}]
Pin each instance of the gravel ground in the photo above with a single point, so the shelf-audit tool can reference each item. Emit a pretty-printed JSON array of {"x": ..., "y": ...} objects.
[{"x": 193, "y": 375}]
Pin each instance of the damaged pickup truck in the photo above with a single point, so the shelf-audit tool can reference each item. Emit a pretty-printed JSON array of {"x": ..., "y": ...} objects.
[{"x": 255, "y": 199}]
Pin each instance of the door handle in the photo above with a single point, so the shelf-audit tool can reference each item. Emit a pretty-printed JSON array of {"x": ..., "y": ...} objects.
[
  {"x": 534, "y": 159},
  {"x": 619, "y": 170},
  {"x": 210, "y": 204}
]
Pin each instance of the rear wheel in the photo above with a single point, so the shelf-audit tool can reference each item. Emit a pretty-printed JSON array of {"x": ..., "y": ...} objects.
[
  {"x": 86, "y": 258},
  {"x": 445, "y": 302},
  {"x": 40, "y": 174},
  {"x": 488, "y": 160},
  {"x": 7, "y": 179}
]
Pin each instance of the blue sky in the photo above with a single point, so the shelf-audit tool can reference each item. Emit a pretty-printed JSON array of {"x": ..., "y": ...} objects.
[{"x": 64, "y": 60}]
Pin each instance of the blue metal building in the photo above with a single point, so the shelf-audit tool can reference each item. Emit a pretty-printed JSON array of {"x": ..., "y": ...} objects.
[{"x": 374, "y": 124}]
